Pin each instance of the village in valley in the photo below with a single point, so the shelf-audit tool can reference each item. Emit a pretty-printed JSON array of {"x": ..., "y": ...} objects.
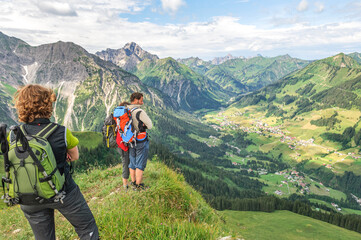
[
  {"x": 263, "y": 129},
  {"x": 283, "y": 182}
]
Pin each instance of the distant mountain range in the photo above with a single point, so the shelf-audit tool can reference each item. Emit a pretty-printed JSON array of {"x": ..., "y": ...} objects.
[
  {"x": 329, "y": 82},
  {"x": 189, "y": 89},
  {"x": 242, "y": 75},
  {"x": 215, "y": 82},
  {"x": 87, "y": 87}
]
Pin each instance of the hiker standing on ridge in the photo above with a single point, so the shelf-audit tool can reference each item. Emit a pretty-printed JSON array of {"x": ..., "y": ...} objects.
[
  {"x": 125, "y": 159},
  {"x": 138, "y": 154},
  {"x": 34, "y": 105}
]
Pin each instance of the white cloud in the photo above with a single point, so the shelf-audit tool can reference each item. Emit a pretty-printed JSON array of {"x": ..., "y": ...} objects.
[
  {"x": 302, "y": 6},
  {"x": 98, "y": 26},
  {"x": 56, "y": 8},
  {"x": 319, "y": 7},
  {"x": 279, "y": 21},
  {"x": 172, "y": 5}
]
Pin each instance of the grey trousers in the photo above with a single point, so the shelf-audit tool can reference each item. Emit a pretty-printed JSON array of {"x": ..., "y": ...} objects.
[
  {"x": 74, "y": 209},
  {"x": 125, "y": 162}
]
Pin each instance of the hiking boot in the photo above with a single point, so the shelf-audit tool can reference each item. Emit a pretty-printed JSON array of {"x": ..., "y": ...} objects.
[
  {"x": 126, "y": 187},
  {"x": 141, "y": 187},
  {"x": 133, "y": 185}
]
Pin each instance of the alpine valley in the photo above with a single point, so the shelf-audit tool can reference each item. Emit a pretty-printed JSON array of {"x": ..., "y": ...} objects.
[{"x": 249, "y": 134}]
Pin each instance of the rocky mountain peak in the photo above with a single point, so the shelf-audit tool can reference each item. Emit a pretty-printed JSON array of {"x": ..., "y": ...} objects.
[
  {"x": 220, "y": 60},
  {"x": 133, "y": 48},
  {"x": 127, "y": 57}
]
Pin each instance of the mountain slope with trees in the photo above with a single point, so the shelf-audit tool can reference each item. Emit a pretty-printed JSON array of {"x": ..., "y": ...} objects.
[
  {"x": 243, "y": 75},
  {"x": 87, "y": 87},
  {"x": 330, "y": 82},
  {"x": 189, "y": 89}
]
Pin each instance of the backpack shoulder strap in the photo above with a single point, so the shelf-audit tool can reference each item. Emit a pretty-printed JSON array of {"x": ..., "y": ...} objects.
[
  {"x": 138, "y": 115},
  {"x": 135, "y": 108},
  {"x": 47, "y": 131},
  {"x": 22, "y": 128},
  {"x": 25, "y": 145},
  {"x": 141, "y": 126}
]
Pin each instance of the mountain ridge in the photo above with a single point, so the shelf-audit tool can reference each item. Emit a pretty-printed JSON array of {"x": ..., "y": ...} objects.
[
  {"x": 85, "y": 84},
  {"x": 190, "y": 90},
  {"x": 316, "y": 80}
]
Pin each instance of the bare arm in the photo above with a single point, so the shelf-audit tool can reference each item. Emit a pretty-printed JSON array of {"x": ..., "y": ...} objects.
[{"x": 73, "y": 154}]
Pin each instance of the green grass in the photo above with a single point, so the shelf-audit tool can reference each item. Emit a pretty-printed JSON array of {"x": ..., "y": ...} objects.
[
  {"x": 282, "y": 225},
  {"x": 331, "y": 193},
  {"x": 274, "y": 181},
  {"x": 210, "y": 141},
  {"x": 343, "y": 211},
  {"x": 89, "y": 139},
  {"x": 168, "y": 209},
  {"x": 301, "y": 128},
  {"x": 237, "y": 159}
]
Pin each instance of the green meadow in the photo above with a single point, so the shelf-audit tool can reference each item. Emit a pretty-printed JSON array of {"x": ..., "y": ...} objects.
[
  {"x": 282, "y": 225},
  {"x": 301, "y": 128},
  {"x": 343, "y": 210},
  {"x": 274, "y": 183},
  {"x": 89, "y": 140}
]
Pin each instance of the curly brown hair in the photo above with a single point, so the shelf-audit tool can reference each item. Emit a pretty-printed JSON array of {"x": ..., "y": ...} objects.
[{"x": 34, "y": 101}]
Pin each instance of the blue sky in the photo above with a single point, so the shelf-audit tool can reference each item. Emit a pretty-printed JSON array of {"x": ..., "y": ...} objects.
[
  {"x": 181, "y": 28},
  {"x": 255, "y": 12}
]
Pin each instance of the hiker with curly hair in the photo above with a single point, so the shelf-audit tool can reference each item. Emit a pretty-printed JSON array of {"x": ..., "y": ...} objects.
[{"x": 34, "y": 105}]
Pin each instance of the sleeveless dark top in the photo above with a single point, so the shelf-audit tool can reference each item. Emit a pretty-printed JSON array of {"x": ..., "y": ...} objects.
[{"x": 57, "y": 141}]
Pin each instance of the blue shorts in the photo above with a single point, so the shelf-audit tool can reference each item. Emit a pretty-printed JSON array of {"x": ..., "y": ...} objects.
[{"x": 138, "y": 155}]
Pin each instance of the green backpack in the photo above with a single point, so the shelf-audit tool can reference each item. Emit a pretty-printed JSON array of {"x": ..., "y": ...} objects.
[{"x": 32, "y": 174}]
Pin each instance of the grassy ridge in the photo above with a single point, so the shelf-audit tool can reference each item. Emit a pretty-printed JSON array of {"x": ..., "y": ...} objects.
[
  {"x": 89, "y": 139},
  {"x": 283, "y": 225},
  {"x": 169, "y": 209}
]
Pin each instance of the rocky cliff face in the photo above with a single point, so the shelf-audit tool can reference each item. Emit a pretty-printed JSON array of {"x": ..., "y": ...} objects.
[
  {"x": 12, "y": 59},
  {"x": 87, "y": 87},
  {"x": 127, "y": 57}
]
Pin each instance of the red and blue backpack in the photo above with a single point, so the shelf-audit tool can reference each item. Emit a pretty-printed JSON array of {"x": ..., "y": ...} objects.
[{"x": 126, "y": 133}]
